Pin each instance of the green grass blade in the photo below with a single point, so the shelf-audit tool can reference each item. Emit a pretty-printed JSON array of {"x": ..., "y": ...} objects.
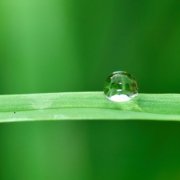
[{"x": 88, "y": 106}]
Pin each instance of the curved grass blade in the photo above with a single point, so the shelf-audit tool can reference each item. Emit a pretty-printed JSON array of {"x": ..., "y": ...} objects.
[{"x": 88, "y": 106}]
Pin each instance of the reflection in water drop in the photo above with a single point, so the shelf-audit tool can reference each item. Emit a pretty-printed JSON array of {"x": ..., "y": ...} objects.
[{"x": 120, "y": 86}]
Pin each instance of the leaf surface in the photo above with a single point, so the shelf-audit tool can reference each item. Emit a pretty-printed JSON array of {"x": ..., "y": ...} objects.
[{"x": 88, "y": 106}]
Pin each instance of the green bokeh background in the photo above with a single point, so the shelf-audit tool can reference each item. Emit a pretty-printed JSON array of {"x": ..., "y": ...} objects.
[{"x": 67, "y": 45}]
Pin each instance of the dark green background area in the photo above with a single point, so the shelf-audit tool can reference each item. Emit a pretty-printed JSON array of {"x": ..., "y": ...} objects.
[
  {"x": 68, "y": 45},
  {"x": 90, "y": 150}
]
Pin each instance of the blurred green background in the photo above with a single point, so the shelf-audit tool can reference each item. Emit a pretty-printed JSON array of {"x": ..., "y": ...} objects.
[
  {"x": 67, "y": 45},
  {"x": 90, "y": 150}
]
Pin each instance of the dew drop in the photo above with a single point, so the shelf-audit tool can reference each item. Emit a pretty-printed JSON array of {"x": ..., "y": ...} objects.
[{"x": 120, "y": 86}]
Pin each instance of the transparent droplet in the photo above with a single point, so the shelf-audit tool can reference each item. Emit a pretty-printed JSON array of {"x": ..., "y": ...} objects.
[{"x": 120, "y": 86}]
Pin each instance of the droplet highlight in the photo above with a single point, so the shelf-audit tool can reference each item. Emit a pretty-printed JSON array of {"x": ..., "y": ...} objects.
[{"x": 120, "y": 86}]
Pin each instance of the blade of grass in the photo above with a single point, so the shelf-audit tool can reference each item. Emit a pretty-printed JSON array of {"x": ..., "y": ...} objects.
[{"x": 88, "y": 106}]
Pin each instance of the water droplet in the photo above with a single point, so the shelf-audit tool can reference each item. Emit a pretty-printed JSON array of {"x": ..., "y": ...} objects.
[{"x": 120, "y": 86}]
